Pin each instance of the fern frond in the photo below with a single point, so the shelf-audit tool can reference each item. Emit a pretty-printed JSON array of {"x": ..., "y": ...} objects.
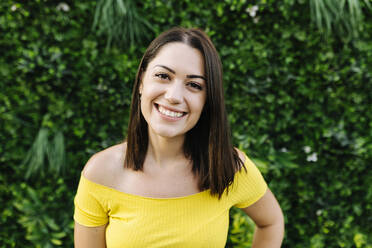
[
  {"x": 120, "y": 21},
  {"x": 342, "y": 17},
  {"x": 34, "y": 160},
  {"x": 56, "y": 154}
]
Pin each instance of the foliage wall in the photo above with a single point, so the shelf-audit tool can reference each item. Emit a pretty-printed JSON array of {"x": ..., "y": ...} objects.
[{"x": 299, "y": 104}]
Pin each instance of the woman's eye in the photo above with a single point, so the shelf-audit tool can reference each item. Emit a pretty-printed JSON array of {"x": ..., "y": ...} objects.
[
  {"x": 162, "y": 75},
  {"x": 195, "y": 85}
]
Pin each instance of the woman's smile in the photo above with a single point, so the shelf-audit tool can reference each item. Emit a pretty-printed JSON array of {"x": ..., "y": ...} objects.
[{"x": 169, "y": 113}]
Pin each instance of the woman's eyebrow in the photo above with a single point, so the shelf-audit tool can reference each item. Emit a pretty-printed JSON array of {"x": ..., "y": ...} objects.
[
  {"x": 166, "y": 67},
  {"x": 196, "y": 76},
  {"x": 172, "y": 71}
]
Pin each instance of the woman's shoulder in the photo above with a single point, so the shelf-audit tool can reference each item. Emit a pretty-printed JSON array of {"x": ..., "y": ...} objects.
[
  {"x": 242, "y": 157},
  {"x": 104, "y": 165}
]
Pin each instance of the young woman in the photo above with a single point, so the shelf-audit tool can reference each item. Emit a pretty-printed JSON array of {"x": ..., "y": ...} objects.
[{"x": 172, "y": 183}]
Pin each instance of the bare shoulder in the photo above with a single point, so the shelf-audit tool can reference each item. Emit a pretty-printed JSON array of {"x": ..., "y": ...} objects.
[{"x": 102, "y": 166}]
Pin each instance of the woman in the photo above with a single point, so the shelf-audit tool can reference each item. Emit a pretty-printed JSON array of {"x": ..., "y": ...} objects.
[{"x": 174, "y": 180}]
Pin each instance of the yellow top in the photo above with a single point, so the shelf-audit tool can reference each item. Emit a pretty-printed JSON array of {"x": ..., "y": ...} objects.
[{"x": 197, "y": 220}]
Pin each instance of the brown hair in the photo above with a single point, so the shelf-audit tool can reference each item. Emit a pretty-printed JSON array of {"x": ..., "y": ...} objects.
[{"x": 208, "y": 143}]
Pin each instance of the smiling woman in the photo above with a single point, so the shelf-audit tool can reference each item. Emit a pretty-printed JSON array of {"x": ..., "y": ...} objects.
[{"x": 175, "y": 178}]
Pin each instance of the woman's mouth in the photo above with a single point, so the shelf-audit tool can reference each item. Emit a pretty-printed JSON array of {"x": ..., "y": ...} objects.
[{"x": 169, "y": 113}]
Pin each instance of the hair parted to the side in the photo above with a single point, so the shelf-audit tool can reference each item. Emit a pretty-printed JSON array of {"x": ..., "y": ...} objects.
[{"x": 208, "y": 143}]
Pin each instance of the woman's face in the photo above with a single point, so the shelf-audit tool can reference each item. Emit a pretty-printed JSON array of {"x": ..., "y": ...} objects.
[{"x": 173, "y": 90}]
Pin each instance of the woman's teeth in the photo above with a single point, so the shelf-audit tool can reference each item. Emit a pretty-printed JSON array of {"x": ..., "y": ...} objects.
[{"x": 169, "y": 113}]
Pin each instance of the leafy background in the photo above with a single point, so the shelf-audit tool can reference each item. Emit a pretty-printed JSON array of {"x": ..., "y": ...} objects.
[{"x": 297, "y": 78}]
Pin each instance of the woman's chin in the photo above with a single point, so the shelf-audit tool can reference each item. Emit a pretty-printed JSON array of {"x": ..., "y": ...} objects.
[{"x": 170, "y": 135}]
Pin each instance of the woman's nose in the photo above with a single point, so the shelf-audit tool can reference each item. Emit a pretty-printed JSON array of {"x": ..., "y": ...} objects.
[{"x": 174, "y": 92}]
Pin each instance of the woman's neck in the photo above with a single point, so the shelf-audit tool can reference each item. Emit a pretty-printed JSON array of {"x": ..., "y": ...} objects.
[{"x": 165, "y": 151}]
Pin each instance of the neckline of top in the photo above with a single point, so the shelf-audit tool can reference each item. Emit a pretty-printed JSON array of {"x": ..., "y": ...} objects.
[{"x": 144, "y": 197}]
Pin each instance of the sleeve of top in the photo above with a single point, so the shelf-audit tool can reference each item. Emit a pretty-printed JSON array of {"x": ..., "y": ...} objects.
[
  {"x": 90, "y": 208},
  {"x": 249, "y": 186}
]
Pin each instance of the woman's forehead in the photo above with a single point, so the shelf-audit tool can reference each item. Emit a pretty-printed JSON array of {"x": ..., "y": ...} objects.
[{"x": 179, "y": 56}]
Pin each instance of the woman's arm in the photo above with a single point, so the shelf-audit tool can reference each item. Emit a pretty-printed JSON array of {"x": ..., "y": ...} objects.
[
  {"x": 97, "y": 170},
  {"x": 268, "y": 216},
  {"x": 89, "y": 237}
]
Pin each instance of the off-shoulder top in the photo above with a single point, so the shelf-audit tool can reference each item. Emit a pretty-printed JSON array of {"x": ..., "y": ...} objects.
[{"x": 197, "y": 220}]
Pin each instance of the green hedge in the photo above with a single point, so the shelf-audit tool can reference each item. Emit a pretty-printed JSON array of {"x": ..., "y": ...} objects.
[{"x": 299, "y": 105}]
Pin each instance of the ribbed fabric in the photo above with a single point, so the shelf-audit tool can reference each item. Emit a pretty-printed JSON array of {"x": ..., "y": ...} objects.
[{"x": 197, "y": 220}]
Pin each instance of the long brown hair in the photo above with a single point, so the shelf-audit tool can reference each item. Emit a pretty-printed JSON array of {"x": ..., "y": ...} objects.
[{"x": 208, "y": 143}]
